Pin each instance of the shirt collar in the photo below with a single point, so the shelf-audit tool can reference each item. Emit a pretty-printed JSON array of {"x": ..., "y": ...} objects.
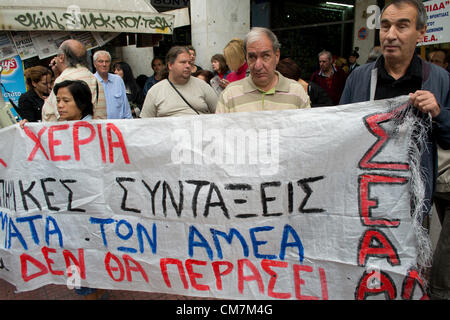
[
  {"x": 282, "y": 85},
  {"x": 414, "y": 68},
  {"x": 101, "y": 79},
  {"x": 323, "y": 75}
]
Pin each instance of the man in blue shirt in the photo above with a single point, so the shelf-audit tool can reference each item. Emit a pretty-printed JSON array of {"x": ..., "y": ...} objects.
[{"x": 117, "y": 104}]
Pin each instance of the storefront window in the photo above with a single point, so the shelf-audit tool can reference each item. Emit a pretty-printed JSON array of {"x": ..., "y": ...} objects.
[{"x": 305, "y": 28}]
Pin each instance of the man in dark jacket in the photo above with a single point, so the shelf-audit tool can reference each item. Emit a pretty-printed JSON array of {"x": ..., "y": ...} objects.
[{"x": 399, "y": 71}]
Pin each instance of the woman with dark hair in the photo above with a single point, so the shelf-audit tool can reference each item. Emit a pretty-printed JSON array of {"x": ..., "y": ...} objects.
[
  {"x": 134, "y": 93},
  {"x": 74, "y": 101},
  {"x": 219, "y": 66},
  {"x": 39, "y": 81},
  {"x": 205, "y": 75}
]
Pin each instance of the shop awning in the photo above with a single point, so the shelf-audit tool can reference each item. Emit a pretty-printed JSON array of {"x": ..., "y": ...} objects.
[
  {"x": 131, "y": 16},
  {"x": 37, "y": 27}
]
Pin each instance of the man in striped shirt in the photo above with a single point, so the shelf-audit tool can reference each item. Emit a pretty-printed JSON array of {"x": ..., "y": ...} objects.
[
  {"x": 71, "y": 61},
  {"x": 265, "y": 88}
]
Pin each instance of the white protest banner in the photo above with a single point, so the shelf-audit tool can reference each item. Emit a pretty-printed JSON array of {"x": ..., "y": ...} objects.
[{"x": 299, "y": 204}]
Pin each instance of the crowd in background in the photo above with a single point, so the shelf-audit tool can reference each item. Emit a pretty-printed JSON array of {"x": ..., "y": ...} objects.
[{"x": 324, "y": 87}]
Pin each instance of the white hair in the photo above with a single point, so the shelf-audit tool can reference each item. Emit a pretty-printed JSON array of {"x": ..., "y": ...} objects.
[{"x": 101, "y": 52}]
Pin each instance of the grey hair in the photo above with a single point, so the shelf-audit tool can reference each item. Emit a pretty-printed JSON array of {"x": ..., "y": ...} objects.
[
  {"x": 255, "y": 35},
  {"x": 422, "y": 16},
  {"x": 97, "y": 53},
  {"x": 71, "y": 59},
  {"x": 328, "y": 53}
]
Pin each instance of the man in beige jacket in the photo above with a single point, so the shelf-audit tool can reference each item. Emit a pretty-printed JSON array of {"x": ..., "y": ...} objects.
[{"x": 71, "y": 62}]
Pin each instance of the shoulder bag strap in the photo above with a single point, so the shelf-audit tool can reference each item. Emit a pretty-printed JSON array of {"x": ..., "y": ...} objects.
[
  {"x": 182, "y": 97},
  {"x": 96, "y": 87}
]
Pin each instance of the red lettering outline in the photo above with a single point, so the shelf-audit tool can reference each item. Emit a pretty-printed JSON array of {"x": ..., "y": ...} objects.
[
  {"x": 384, "y": 249},
  {"x": 410, "y": 283},
  {"x": 387, "y": 286},
  {"x": 372, "y": 123},
  {"x": 366, "y": 204}
]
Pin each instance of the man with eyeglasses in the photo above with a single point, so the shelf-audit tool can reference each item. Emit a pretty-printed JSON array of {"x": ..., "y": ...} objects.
[{"x": 117, "y": 104}]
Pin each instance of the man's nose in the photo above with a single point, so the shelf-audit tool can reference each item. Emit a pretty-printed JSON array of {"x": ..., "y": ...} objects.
[
  {"x": 258, "y": 63},
  {"x": 391, "y": 33}
]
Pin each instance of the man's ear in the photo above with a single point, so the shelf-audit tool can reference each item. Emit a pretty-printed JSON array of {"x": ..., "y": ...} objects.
[
  {"x": 422, "y": 33},
  {"x": 61, "y": 58},
  {"x": 277, "y": 54}
]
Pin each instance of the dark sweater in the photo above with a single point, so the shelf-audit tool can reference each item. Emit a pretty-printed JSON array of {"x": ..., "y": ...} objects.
[{"x": 30, "y": 106}]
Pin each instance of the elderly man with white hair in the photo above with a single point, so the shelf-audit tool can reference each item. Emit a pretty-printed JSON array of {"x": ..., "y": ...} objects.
[{"x": 117, "y": 104}]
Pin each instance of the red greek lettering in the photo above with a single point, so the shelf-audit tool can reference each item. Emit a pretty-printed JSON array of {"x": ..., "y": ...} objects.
[
  {"x": 37, "y": 141},
  {"x": 382, "y": 284},
  {"x": 298, "y": 282},
  {"x": 375, "y": 243},
  {"x": 117, "y": 144},
  {"x": 365, "y": 181},
  {"x": 372, "y": 123},
  {"x": 76, "y": 137},
  {"x": 219, "y": 274},
  {"x": 255, "y": 276},
  {"x": 194, "y": 275},
  {"x": 52, "y": 142},
  {"x": 45, "y": 252},
  {"x": 24, "y": 260},
  {"x": 410, "y": 283},
  {"x": 163, "y": 264},
  {"x": 266, "y": 265}
]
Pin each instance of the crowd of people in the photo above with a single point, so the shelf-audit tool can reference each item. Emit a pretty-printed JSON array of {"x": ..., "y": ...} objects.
[{"x": 251, "y": 76}]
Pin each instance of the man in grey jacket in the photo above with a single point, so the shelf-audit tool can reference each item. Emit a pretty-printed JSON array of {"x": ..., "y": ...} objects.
[{"x": 399, "y": 71}]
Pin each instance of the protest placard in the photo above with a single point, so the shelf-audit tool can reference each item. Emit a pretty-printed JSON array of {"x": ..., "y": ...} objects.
[
  {"x": 295, "y": 204},
  {"x": 438, "y": 23}
]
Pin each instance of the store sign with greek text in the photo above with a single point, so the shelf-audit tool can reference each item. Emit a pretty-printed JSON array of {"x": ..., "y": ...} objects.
[
  {"x": 438, "y": 24},
  {"x": 73, "y": 18},
  {"x": 296, "y": 204}
]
